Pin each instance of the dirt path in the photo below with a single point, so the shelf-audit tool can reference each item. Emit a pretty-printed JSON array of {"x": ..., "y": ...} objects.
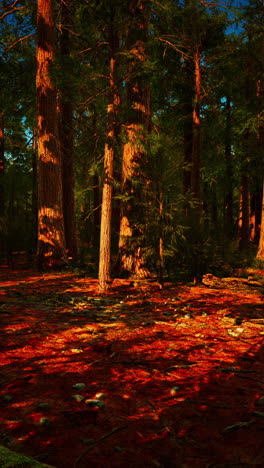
[{"x": 140, "y": 378}]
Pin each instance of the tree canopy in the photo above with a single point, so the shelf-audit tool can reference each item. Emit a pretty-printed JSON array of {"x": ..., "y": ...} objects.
[{"x": 174, "y": 91}]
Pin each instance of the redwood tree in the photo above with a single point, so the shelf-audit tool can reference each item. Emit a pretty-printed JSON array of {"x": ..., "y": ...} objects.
[
  {"x": 66, "y": 135},
  {"x": 136, "y": 128},
  {"x": 2, "y": 164},
  {"x": 109, "y": 153},
  {"x": 51, "y": 249},
  {"x": 260, "y": 253}
]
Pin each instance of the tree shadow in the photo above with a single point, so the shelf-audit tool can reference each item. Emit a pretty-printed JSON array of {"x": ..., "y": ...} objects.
[{"x": 188, "y": 391}]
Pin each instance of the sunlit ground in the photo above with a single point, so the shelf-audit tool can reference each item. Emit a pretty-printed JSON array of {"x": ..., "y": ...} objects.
[{"x": 178, "y": 373}]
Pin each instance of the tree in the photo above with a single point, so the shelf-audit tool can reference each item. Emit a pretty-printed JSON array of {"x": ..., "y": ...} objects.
[
  {"x": 136, "y": 130},
  {"x": 51, "y": 250},
  {"x": 109, "y": 154},
  {"x": 65, "y": 108},
  {"x": 2, "y": 164},
  {"x": 260, "y": 253}
]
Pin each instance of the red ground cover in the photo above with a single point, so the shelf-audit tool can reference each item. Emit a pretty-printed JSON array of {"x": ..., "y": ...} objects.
[{"x": 177, "y": 374}]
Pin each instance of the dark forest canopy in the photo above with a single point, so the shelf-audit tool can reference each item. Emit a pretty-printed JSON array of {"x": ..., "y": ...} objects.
[{"x": 131, "y": 135}]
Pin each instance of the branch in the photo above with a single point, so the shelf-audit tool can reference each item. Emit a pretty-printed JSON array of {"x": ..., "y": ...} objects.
[
  {"x": 62, "y": 26},
  {"x": 116, "y": 429},
  {"x": 13, "y": 9},
  {"x": 174, "y": 47},
  {"x": 19, "y": 40},
  {"x": 92, "y": 48}
]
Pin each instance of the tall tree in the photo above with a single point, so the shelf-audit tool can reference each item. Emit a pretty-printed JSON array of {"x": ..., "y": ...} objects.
[
  {"x": 228, "y": 196},
  {"x": 65, "y": 108},
  {"x": 136, "y": 129},
  {"x": 109, "y": 154},
  {"x": 2, "y": 164},
  {"x": 260, "y": 253},
  {"x": 196, "y": 146},
  {"x": 51, "y": 250}
]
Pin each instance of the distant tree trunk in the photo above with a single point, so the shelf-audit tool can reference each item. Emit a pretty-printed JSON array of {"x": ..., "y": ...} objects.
[
  {"x": 2, "y": 164},
  {"x": 136, "y": 130},
  {"x": 196, "y": 151},
  {"x": 96, "y": 192},
  {"x": 255, "y": 215},
  {"x": 51, "y": 249},
  {"x": 244, "y": 213},
  {"x": 187, "y": 110},
  {"x": 161, "y": 237},
  {"x": 228, "y": 197},
  {"x": 106, "y": 214},
  {"x": 260, "y": 253},
  {"x": 187, "y": 152},
  {"x": 66, "y": 138},
  {"x": 34, "y": 200}
]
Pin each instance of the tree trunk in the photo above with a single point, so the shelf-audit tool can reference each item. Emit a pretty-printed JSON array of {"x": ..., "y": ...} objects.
[
  {"x": 260, "y": 253},
  {"x": 255, "y": 215},
  {"x": 34, "y": 200},
  {"x": 228, "y": 197},
  {"x": 187, "y": 149},
  {"x": 2, "y": 165},
  {"x": 196, "y": 156},
  {"x": 106, "y": 214},
  {"x": 66, "y": 138},
  {"x": 136, "y": 130},
  {"x": 51, "y": 249},
  {"x": 244, "y": 213}
]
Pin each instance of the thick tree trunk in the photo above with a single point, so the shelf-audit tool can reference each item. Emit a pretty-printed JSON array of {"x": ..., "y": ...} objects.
[
  {"x": 106, "y": 214},
  {"x": 136, "y": 130},
  {"x": 51, "y": 249},
  {"x": 260, "y": 253},
  {"x": 196, "y": 151},
  {"x": 66, "y": 139},
  {"x": 2, "y": 164}
]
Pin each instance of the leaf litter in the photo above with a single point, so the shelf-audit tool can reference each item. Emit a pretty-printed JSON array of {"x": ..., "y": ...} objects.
[{"x": 141, "y": 377}]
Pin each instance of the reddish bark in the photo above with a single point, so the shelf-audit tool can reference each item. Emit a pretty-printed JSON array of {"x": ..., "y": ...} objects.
[
  {"x": 260, "y": 253},
  {"x": 51, "y": 250},
  {"x": 196, "y": 156},
  {"x": 2, "y": 164},
  {"x": 106, "y": 215},
  {"x": 66, "y": 139},
  {"x": 244, "y": 213},
  {"x": 136, "y": 131}
]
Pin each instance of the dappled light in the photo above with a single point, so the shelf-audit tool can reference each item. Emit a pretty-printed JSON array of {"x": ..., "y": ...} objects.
[{"x": 137, "y": 375}]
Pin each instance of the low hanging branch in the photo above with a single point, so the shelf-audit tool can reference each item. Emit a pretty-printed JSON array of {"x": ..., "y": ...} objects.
[{"x": 17, "y": 42}]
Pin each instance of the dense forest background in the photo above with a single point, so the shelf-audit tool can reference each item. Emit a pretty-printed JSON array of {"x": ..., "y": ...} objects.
[{"x": 131, "y": 136}]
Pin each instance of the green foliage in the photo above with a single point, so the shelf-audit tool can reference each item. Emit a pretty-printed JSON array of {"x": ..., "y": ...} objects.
[
  {"x": 194, "y": 241},
  {"x": 10, "y": 459}
]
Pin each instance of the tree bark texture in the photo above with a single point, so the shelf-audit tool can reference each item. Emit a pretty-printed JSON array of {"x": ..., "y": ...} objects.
[
  {"x": 2, "y": 164},
  {"x": 51, "y": 249},
  {"x": 196, "y": 151},
  {"x": 66, "y": 138},
  {"x": 136, "y": 130},
  {"x": 109, "y": 153},
  {"x": 260, "y": 253},
  {"x": 244, "y": 213}
]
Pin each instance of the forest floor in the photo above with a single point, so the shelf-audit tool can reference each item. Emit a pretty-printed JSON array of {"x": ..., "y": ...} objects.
[{"x": 142, "y": 377}]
